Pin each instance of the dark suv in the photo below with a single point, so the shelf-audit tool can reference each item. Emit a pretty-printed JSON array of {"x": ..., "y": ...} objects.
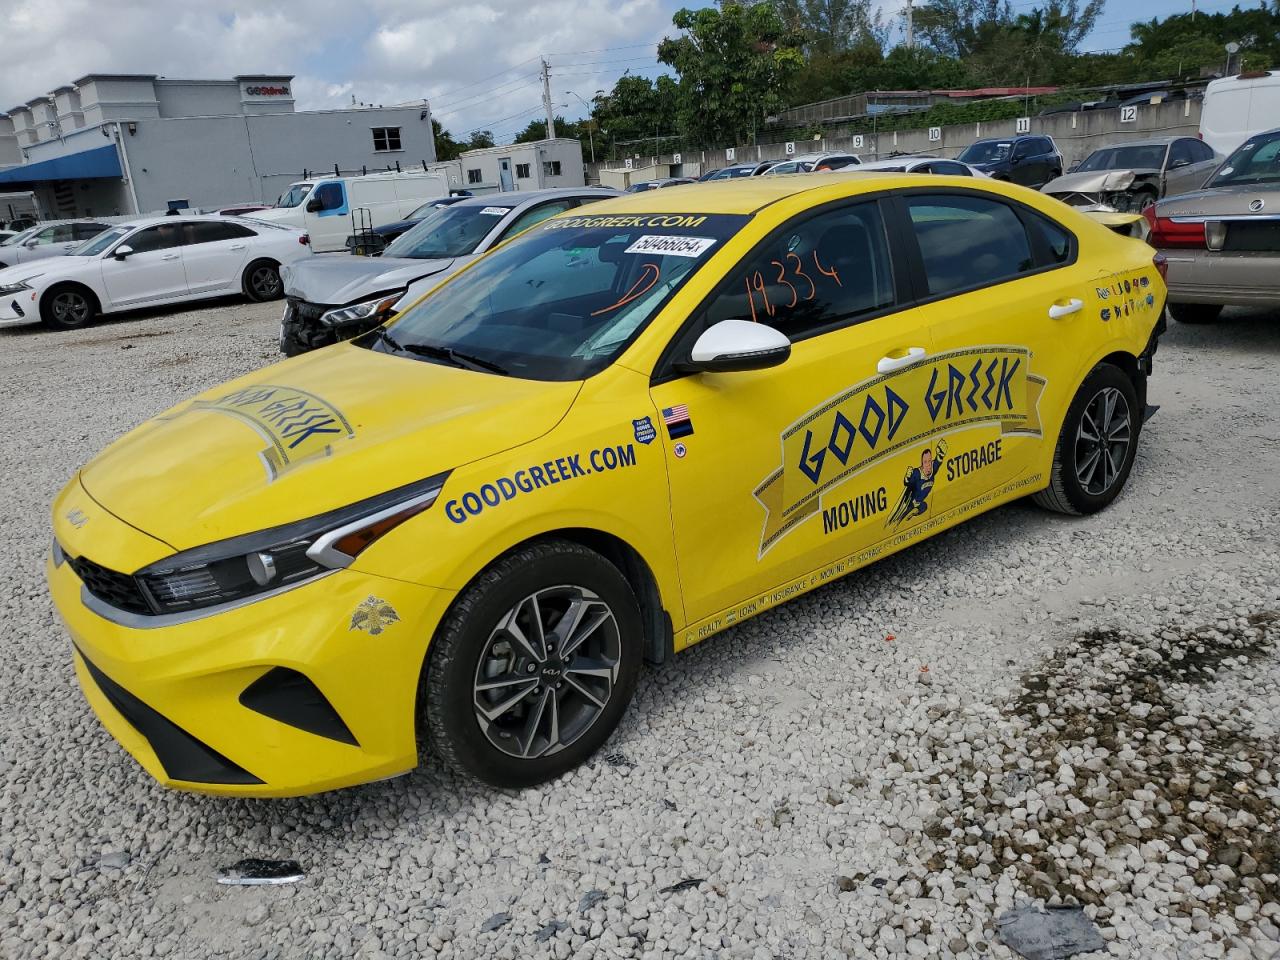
[{"x": 1030, "y": 160}]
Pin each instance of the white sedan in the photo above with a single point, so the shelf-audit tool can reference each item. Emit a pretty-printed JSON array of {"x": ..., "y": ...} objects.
[
  {"x": 148, "y": 263},
  {"x": 912, "y": 164},
  {"x": 48, "y": 240}
]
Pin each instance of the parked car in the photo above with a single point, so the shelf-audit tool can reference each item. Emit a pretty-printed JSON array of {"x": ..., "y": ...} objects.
[
  {"x": 6, "y": 234},
  {"x": 240, "y": 209},
  {"x": 1236, "y": 108},
  {"x": 329, "y": 209},
  {"x": 710, "y": 174},
  {"x": 659, "y": 184},
  {"x": 814, "y": 163},
  {"x": 1129, "y": 177},
  {"x": 150, "y": 262},
  {"x": 608, "y": 440},
  {"x": 911, "y": 164},
  {"x": 1222, "y": 243},
  {"x": 737, "y": 170},
  {"x": 1032, "y": 160},
  {"x": 373, "y": 242},
  {"x": 48, "y": 240},
  {"x": 336, "y": 298}
]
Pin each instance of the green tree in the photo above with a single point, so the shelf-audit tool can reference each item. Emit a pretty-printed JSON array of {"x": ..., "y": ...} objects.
[
  {"x": 735, "y": 65},
  {"x": 636, "y": 109},
  {"x": 956, "y": 27},
  {"x": 479, "y": 140},
  {"x": 537, "y": 130},
  {"x": 447, "y": 148}
]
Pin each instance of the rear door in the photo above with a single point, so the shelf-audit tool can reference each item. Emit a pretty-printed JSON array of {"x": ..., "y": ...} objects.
[
  {"x": 1187, "y": 166},
  {"x": 214, "y": 256},
  {"x": 151, "y": 272}
]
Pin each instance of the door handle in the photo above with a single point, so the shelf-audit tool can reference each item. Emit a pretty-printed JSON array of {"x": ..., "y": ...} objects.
[
  {"x": 170, "y": 256},
  {"x": 1059, "y": 310},
  {"x": 237, "y": 246},
  {"x": 889, "y": 364}
]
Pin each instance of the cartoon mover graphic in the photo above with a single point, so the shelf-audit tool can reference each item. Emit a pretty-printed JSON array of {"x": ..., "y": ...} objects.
[{"x": 918, "y": 484}]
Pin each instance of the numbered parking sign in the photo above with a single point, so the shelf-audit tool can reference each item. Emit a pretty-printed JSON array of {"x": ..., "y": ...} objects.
[
  {"x": 1023, "y": 125},
  {"x": 857, "y": 142},
  {"x": 935, "y": 134},
  {"x": 675, "y": 158},
  {"x": 1129, "y": 114},
  {"x": 627, "y": 164},
  {"x": 730, "y": 154},
  {"x": 791, "y": 148}
]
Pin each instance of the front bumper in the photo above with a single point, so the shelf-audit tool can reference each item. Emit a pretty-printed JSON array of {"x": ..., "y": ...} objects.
[
  {"x": 17, "y": 309},
  {"x": 175, "y": 696},
  {"x": 1230, "y": 278}
]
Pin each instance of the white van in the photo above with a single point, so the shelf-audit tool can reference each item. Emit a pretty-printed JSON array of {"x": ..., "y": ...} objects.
[
  {"x": 1235, "y": 108},
  {"x": 324, "y": 206}
]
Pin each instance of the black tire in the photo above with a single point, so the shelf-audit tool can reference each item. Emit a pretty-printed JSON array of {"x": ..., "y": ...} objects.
[
  {"x": 1195, "y": 312},
  {"x": 1074, "y": 488},
  {"x": 261, "y": 281},
  {"x": 462, "y": 656},
  {"x": 68, "y": 306}
]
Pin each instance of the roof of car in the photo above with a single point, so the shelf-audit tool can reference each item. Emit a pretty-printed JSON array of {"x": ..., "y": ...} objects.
[
  {"x": 1148, "y": 142},
  {"x": 515, "y": 198}
]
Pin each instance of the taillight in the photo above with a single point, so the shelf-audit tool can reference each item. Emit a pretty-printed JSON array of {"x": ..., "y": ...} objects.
[
  {"x": 1171, "y": 233},
  {"x": 305, "y": 239},
  {"x": 1161, "y": 263}
]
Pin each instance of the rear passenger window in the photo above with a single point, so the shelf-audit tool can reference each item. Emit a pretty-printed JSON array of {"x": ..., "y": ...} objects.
[
  {"x": 968, "y": 242},
  {"x": 826, "y": 271}
]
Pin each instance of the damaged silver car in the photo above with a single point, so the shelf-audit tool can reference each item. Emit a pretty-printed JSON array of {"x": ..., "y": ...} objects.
[{"x": 1129, "y": 177}]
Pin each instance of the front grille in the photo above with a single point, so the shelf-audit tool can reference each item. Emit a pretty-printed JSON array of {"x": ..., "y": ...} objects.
[
  {"x": 1261, "y": 236},
  {"x": 117, "y": 589},
  {"x": 304, "y": 310}
]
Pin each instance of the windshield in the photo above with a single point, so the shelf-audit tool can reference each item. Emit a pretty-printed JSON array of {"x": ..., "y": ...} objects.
[
  {"x": 1149, "y": 156},
  {"x": 1257, "y": 160},
  {"x": 452, "y": 231},
  {"x": 94, "y": 246},
  {"x": 564, "y": 299},
  {"x": 985, "y": 150},
  {"x": 425, "y": 209},
  {"x": 297, "y": 193}
]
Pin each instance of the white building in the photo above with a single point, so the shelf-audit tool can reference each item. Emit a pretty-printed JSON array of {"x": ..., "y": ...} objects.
[{"x": 518, "y": 166}]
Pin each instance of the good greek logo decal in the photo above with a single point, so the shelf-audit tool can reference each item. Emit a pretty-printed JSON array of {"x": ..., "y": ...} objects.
[
  {"x": 882, "y": 415},
  {"x": 297, "y": 425}
]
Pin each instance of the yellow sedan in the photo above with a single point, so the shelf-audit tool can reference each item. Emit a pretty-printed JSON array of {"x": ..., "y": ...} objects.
[{"x": 620, "y": 433}]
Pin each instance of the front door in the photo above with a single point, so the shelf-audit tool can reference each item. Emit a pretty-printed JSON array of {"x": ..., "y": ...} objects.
[
  {"x": 504, "y": 173},
  {"x": 151, "y": 272},
  {"x": 781, "y": 473}
]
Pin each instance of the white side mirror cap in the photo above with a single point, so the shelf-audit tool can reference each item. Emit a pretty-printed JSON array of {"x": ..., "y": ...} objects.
[{"x": 739, "y": 345}]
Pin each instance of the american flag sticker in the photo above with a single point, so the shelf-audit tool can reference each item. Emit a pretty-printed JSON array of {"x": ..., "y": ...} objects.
[{"x": 677, "y": 420}]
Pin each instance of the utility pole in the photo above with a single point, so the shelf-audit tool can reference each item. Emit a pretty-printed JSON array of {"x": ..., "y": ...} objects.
[
  {"x": 911, "y": 33},
  {"x": 1193, "y": 11},
  {"x": 546, "y": 100}
]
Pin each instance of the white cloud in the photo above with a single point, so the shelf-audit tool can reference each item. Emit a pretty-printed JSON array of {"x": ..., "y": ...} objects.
[{"x": 476, "y": 62}]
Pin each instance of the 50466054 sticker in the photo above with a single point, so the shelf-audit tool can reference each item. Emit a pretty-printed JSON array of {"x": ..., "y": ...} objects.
[
  {"x": 884, "y": 414},
  {"x": 692, "y": 247}
]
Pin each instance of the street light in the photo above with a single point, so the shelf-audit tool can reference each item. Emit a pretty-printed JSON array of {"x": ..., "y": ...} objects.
[{"x": 590, "y": 136}]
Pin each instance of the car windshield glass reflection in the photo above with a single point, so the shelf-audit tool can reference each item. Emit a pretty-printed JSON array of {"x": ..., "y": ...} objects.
[
  {"x": 1255, "y": 161},
  {"x": 985, "y": 150},
  {"x": 295, "y": 195},
  {"x": 99, "y": 243},
  {"x": 561, "y": 301},
  {"x": 453, "y": 231},
  {"x": 1149, "y": 157},
  {"x": 22, "y": 237}
]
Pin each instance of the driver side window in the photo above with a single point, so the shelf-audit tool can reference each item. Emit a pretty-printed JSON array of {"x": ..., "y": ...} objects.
[
  {"x": 329, "y": 195},
  {"x": 156, "y": 238},
  {"x": 826, "y": 271}
]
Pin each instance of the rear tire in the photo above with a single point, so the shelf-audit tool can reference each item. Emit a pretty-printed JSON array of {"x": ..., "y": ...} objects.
[
  {"x": 261, "y": 281},
  {"x": 68, "y": 306},
  {"x": 554, "y": 626},
  {"x": 1097, "y": 444},
  {"x": 1195, "y": 312}
]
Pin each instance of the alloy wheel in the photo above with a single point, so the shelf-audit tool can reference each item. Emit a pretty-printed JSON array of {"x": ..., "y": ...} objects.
[
  {"x": 70, "y": 308},
  {"x": 547, "y": 671},
  {"x": 265, "y": 282},
  {"x": 1102, "y": 441}
]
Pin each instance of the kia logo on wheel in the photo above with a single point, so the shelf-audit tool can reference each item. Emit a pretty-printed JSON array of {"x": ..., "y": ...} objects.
[{"x": 1256, "y": 205}]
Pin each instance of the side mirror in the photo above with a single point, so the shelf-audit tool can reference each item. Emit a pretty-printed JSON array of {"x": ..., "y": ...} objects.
[
  {"x": 31, "y": 243},
  {"x": 122, "y": 251},
  {"x": 734, "y": 345},
  {"x": 315, "y": 205}
]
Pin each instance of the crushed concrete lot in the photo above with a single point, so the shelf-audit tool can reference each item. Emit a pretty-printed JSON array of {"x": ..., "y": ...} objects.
[{"x": 1026, "y": 708}]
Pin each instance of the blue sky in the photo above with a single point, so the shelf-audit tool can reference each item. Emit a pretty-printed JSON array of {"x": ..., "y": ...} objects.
[{"x": 476, "y": 61}]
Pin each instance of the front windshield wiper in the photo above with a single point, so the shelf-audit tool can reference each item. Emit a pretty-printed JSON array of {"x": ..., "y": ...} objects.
[{"x": 457, "y": 358}]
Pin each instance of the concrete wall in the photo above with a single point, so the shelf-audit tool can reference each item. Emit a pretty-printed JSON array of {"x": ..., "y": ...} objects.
[
  {"x": 1077, "y": 135},
  {"x": 195, "y": 98}
]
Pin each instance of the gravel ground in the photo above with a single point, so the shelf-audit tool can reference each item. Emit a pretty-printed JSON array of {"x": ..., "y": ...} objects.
[{"x": 1026, "y": 707}]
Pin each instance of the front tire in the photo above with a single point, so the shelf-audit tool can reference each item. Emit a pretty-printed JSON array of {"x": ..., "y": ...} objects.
[
  {"x": 1097, "y": 444},
  {"x": 1195, "y": 312},
  {"x": 262, "y": 281},
  {"x": 68, "y": 306},
  {"x": 534, "y": 666}
]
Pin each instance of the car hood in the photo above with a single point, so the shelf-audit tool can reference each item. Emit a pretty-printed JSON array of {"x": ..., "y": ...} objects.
[
  {"x": 340, "y": 279},
  {"x": 42, "y": 267},
  {"x": 1093, "y": 181},
  {"x": 272, "y": 214},
  {"x": 1230, "y": 201},
  {"x": 310, "y": 435}
]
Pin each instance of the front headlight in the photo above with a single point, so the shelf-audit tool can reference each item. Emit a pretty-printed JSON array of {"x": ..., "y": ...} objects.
[
  {"x": 361, "y": 311},
  {"x": 271, "y": 560},
  {"x": 17, "y": 287}
]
